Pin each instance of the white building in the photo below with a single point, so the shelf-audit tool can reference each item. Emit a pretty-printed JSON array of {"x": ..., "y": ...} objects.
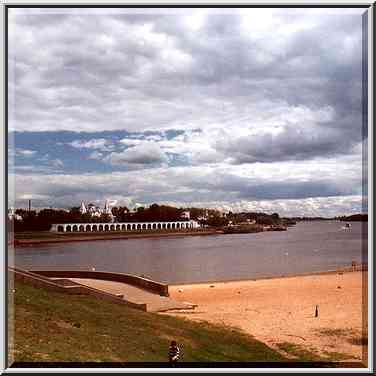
[
  {"x": 96, "y": 211},
  {"x": 12, "y": 215},
  {"x": 107, "y": 209},
  {"x": 83, "y": 209}
]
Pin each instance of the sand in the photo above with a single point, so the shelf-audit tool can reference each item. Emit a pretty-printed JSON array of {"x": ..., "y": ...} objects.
[{"x": 283, "y": 310}]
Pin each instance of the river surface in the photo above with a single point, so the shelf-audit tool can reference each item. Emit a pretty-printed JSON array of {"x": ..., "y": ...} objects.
[{"x": 306, "y": 247}]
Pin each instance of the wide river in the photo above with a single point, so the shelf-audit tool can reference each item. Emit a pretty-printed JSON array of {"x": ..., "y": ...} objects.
[{"x": 306, "y": 247}]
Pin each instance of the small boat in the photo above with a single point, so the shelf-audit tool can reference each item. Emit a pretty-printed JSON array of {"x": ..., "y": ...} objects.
[{"x": 347, "y": 226}]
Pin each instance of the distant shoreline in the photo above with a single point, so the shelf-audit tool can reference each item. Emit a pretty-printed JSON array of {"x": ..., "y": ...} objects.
[{"x": 67, "y": 238}]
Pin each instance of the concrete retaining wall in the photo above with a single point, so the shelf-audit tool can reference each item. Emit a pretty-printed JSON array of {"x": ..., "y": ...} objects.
[
  {"x": 40, "y": 281},
  {"x": 146, "y": 284}
]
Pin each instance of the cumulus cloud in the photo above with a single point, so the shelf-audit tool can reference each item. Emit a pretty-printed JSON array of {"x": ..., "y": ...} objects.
[
  {"x": 202, "y": 184},
  {"x": 100, "y": 143},
  {"x": 25, "y": 153},
  {"x": 314, "y": 206},
  {"x": 285, "y": 143},
  {"x": 196, "y": 146},
  {"x": 229, "y": 106},
  {"x": 57, "y": 162},
  {"x": 96, "y": 155},
  {"x": 123, "y": 71},
  {"x": 131, "y": 142},
  {"x": 144, "y": 153}
]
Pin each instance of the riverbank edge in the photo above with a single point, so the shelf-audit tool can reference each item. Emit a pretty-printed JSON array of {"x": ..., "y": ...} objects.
[
  {"x": 350, "y": 269},
  {"x": 31, "y": 242}
]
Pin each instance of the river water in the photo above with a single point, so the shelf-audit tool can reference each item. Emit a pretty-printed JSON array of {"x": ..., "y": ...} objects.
[{"x": 306, "y": 247}]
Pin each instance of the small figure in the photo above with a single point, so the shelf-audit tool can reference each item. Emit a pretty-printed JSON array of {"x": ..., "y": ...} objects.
[
  {"x": 317, "y": 311},
  {"x": 173, "y": 353}
]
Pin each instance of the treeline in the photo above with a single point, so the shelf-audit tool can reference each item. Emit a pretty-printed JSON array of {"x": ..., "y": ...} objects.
[
  {"x": 348, "y": 218},
  {"x": 42, "y": 220},
  {"x": 260, "y": 219},
  {"x": 153, "y": 213},
  {"x": 311, "y": 219},
  {"x": 354, "y": 218}
]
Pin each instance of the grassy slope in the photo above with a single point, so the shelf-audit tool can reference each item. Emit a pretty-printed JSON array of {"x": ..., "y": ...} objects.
[{"x": 57, "y": 327}]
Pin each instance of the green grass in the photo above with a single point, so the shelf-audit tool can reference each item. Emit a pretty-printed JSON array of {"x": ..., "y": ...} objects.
[
  {"x": 350, "y": 335},
  {"x": 298, "y": 352},
  {"x": 54, "y": 327}
]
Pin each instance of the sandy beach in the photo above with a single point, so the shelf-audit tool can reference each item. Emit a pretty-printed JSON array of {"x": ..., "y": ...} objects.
[{"x": 282, "y": 310}]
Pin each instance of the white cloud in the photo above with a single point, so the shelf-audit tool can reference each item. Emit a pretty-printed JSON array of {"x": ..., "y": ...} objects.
[
  {"x": 275, "y": 94},
  {"x": 57, "y": 163},
  {"x": 144, "y": 153},
  {"x": 314, "y": 207},
  {"x": 97, "y": 143},
  {"x": 195, "y": 20},
  {"x": 96, "y": 155},
  {"x": 298, "y": 186},
  {"x": 131, "y": 142},
  {"x": 33, "y": 197},
  {"x": 111, "y": 71},
  {"x": 25, "y": 153}
]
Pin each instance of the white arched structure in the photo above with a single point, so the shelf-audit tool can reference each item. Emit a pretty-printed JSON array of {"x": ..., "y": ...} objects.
[{"x": 124, "y": 226}]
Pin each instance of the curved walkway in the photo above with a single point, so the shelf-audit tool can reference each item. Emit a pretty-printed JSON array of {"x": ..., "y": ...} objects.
[{"x": 154, "y": 302}]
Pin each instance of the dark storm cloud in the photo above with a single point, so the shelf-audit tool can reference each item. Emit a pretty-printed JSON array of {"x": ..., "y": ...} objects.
[{"x": 290, "y": 144}]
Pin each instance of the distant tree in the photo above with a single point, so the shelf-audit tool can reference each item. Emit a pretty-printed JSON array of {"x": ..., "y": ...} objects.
[
  {"x": 265, "y": 220},
  {"x": 275, "y": 216},
  {"x": 86, "y": 218},
  {"x": 75, "y": 214},
  {"x": 217, "y": 221},
  {"x": 105, "y": 218},
  {"x": 21, "y": 212},
  {"x": 121, "y": 213}
]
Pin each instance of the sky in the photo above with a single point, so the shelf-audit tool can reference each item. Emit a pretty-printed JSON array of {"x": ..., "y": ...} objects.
[{"x": 234, "y": 109}]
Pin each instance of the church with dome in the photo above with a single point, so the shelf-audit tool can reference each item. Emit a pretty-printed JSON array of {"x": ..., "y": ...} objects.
[{"x": 96, "y": 211}]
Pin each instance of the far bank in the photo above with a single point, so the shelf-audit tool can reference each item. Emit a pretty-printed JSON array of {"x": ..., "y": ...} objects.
[{"x": 23, "y": 239}]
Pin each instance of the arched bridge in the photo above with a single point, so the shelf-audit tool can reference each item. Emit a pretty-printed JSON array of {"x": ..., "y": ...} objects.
[{"x": 123, "y": 226}]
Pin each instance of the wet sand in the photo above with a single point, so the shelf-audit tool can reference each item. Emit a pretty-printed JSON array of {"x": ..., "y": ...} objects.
[{"x": 282, "y": 310}]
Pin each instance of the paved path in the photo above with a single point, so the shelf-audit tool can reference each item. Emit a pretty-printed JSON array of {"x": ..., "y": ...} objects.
[{"x": 154, "y": 302}]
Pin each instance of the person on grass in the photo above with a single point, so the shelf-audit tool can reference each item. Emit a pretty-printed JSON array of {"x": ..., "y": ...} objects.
[{"x": 173, "y": 352}]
